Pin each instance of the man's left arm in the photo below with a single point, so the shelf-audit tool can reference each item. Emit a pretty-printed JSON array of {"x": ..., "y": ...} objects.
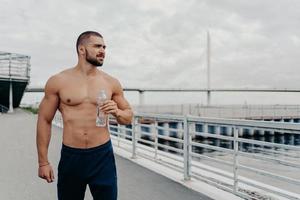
[{"x": 118, "y": 106}]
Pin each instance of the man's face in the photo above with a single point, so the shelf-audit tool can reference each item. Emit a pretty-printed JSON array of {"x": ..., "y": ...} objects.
[{"x": 95, "y": 51}]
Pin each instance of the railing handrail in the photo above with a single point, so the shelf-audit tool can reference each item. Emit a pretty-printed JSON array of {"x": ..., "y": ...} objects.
[
  {"x": 14, "y": 65},
  {"x": 34, "y": 88},
  {"x": 3, "y": 109},
  {"x": 227, "y": 122}
]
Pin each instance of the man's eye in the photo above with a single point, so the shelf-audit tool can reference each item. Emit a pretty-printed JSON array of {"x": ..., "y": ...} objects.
[{"x": 100, "y": 46}]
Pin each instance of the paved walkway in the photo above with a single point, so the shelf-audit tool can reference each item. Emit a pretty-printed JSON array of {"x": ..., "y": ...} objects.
[{"x": 18, "y": 168}]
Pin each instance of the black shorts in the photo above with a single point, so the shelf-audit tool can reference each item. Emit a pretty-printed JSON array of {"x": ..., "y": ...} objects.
[{"x": 81, "y": 167}]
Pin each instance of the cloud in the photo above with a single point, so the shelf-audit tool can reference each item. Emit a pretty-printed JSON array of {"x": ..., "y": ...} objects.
[{"x": 155, "y": 43}]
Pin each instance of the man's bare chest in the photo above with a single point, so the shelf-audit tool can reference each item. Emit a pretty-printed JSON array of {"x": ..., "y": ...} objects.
[{"x": 76, "y": 92}]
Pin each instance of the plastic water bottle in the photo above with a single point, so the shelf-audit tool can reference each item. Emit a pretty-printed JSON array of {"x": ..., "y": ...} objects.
[{"x": 101, "y": 116}]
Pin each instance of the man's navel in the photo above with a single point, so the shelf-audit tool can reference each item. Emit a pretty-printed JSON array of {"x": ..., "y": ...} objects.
[{"x": 85, "y": 135}]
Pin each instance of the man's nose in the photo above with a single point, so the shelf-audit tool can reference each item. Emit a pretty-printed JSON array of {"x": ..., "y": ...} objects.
[{"x": 102, "y": 49}]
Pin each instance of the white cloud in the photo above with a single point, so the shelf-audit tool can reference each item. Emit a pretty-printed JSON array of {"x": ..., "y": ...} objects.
[{"x": 154, "y": 43}]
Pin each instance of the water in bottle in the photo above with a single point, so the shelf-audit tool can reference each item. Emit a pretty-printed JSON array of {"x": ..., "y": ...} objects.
[{"x": 101, "y": 118}]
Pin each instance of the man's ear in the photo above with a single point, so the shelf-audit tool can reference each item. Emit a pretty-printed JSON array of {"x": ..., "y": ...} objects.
[{"x": 81, "y": 50}]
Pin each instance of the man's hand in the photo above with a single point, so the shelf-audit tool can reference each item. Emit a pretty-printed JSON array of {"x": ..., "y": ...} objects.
[
  {"x": 110, "y": 107},
  {"x": 46, "y": 172}
]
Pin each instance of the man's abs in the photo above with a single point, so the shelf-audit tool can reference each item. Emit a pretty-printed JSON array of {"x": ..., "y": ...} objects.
[{"x": 80, "y": 128}]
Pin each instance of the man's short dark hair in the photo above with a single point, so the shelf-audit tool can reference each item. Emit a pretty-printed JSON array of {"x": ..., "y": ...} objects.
[{"x": 84, "y": 36}]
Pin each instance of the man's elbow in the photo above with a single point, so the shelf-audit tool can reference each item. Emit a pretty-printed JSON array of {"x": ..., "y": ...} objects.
[
  {"x": 130, "y": 120},
  {"x": 44, "y": 120}
]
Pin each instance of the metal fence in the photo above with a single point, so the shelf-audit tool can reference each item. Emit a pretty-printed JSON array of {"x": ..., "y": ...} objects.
[
  {"x": 252, "y": 174},
  {"x": 225, "y": 111},
  {"x": 3, "y": 109}
]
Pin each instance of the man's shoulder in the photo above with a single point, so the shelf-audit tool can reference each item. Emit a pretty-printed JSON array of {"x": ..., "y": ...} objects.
[
  {"x": 57, "y": 79},
  {"x": 65, "y": 72},
  {"x": 110, "y": 78},
  {"x": 114, "y": 82},
  {"x": 61, "y": 75}
]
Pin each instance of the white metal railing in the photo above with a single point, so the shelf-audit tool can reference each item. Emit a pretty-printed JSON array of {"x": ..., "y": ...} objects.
[
  {"x": 260, "y": 112},
  {"x": 3, "y": 109},
  {"x": 230, "y": 168},
  {"x": 200, "y": 109},
  {"x": 14, "y": 65}
]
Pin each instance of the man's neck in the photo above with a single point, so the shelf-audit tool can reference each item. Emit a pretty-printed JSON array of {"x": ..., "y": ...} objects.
[{"x": 86, "y": 69}]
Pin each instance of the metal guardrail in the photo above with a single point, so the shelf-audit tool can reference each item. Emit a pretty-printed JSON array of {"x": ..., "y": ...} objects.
[
  {"x": 3, "y": 109},
  {"x": 258, "y": 112},
  {"x": 209, "y": 91},
  {"x": 276, "y": 90},
  {"x": 208, "y": 167},
  {"x": 14, "y": 65}
]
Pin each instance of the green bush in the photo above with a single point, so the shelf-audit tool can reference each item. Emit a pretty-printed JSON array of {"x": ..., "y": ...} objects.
[{"x": 30, "y": 109}]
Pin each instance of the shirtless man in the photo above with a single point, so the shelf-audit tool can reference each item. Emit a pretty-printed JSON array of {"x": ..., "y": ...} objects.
[{"x": 87, "y": 156}]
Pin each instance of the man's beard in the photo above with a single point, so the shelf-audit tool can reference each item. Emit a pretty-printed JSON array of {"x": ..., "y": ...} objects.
[{"x": 93, "y": 61}]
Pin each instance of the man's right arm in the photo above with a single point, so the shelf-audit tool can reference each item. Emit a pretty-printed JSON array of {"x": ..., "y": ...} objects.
[{"x": 47, "y": 110}]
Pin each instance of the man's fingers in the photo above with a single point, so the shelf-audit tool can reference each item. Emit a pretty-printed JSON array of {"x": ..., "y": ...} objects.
[
  {"x": 48, "y": 175},
  {"x": 52, "y": 175},
  {"x": 110, "y": 111},
  {"x": 43, "y": 176},
  {"x": 109, "y": 107},
  {"x": 106, "y": 106},
  {"x": 108, "y": 103},
  {"x": 48, "y": 178}
]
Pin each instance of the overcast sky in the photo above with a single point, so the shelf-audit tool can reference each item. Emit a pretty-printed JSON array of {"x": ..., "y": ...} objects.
[{"x": 162, "y": 43}]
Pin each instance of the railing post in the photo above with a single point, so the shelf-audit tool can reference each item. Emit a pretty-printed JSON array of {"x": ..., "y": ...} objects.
[
  {"x": 11, "y": 99},
  {"x": 9, "y": 66},
  {"x": 134, "y": 132},
  {"x": 11, "y": 107},
  {"x": 235, "y": 160},
  {"x": 155, "y": 124},
  {"x": 119, "y": 132},
  {"x": 208, "y": 97},
  {"x": 28, "y": 67},
  {"x": 141, "y": 97},
  {"x": 186, "y": 150}
]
